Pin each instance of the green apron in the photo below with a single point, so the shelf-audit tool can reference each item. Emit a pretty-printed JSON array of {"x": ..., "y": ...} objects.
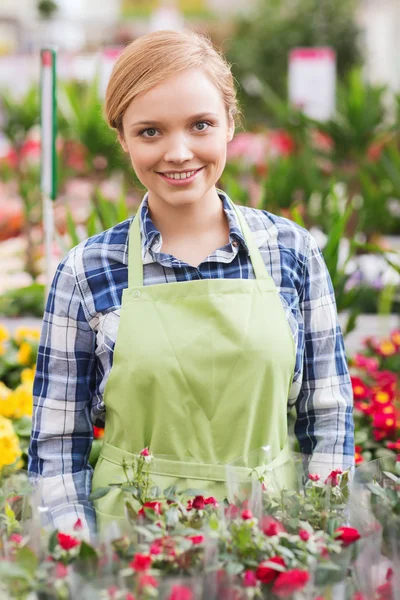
[{"x": 201, "y": 375}]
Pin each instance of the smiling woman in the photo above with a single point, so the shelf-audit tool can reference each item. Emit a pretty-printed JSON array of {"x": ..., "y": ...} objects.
[{"x": 190, "y": 328}]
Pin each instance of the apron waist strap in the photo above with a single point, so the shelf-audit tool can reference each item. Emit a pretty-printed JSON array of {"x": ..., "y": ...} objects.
[{"x": 173, "y": 467}]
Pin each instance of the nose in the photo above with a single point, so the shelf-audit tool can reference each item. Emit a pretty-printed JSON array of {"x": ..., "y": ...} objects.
[{"x": 177, "y": 150}]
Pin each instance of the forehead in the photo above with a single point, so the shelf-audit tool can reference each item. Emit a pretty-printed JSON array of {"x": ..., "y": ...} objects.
[{"x": 183, "y": 94}]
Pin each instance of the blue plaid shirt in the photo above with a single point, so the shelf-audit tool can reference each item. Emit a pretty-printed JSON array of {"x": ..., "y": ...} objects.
[{"x": 80, "y": 327}]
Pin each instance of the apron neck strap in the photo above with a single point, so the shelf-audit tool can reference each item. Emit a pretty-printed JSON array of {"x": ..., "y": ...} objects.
[{"x": 135, "y": 262}]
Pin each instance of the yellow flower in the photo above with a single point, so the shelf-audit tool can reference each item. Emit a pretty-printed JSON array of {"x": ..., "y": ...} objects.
[
  {"x": 4, "y": 334},
  {"x": 2, "y": 349},
  {"x": 8, "y": 405},
  {"x": 24, "y": 354},
  {"x": 10, "y": 450},
  {"x": 23, "y": 400},
  {"x": 28, "y": 375},
  {"x": 26, "y": 333}
]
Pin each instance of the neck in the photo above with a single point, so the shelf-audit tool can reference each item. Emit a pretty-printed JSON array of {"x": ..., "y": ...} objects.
[{"x": 188, "y": 220}]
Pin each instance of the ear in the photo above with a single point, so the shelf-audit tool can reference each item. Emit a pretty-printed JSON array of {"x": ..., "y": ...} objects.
[
  {"x": 122, "y": 141},
  {"x": 231, "y": 130}
]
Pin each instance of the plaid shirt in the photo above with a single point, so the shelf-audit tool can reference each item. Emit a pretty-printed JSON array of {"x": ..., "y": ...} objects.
[{"x": 80, "y": 327}]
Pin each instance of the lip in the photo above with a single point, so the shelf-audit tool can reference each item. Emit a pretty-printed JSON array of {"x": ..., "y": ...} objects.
[{"x": 181, "y": 182}]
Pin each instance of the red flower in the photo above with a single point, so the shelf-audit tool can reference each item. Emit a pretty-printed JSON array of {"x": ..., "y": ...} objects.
[
  {"x": 180, "y": 592},
  {"x": 211, "y": 500},
  {"x": 98, "y": 432},
  {"x": 199, "y": 502},
  {"x": 385, "y": 421},
  {"x": 196, "y": 539},
  {"x": 153, "y": 505},
  {"x": 141, "y": 562},
  {"x": 249, "y": 579},
  {"x": 347, "y": 535},
  {"x": 382, "y": 396},
  {"x": 145, "y": 452},
  {"x": 247, "y": 515},
  {"x": 231, "y": 511},
  {"x": 265, "y": 573},
  {"x": 78, "y": 525},
  {"x": 67, "y": 542},
  {"x": 271, "y": 527},
  {"x": 290, "y": 581},
  {"x": 360, "y": 390},
  {"x": 332, "y": 478},
  {"x": 130, "y": 596},
  {"x": 394, "y": 445},
  {"x": 314, "y": 477},
  {"x": 358, "y": 458},
  {"x": 304, "y": 535}
]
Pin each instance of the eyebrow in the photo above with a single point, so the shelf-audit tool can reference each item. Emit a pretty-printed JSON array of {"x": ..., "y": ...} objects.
[{"x": 192, "y": 118}]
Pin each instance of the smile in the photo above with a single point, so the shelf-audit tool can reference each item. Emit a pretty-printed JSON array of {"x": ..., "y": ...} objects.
[{"x": 183, "y": 178}]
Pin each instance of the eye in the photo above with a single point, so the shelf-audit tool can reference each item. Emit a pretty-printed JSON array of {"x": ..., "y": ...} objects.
[
  {"x": 152, "y": 132},
  {"x": 202, "y": 123}
]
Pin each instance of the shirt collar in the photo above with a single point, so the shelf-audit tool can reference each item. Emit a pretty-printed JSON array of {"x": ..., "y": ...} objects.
[{"x": 151, "y": 237}]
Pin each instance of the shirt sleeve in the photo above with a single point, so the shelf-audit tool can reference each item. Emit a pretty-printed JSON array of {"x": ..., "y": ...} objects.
[
  {"x": 324, "y": 425},
  {"x": 62, "y": 432}
]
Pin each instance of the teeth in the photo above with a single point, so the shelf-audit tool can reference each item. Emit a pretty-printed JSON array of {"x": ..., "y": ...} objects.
[{"x": 179, "y": 175}]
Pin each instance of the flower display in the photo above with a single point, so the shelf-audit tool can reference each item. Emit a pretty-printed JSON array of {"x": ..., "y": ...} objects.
[
  {"x": 376, "y": 389},
  {"x": 10, "y": 450}
]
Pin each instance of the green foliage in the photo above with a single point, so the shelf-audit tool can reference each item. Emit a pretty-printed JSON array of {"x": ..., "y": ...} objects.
[
  {"x": 20, "y": 116},
  {"x": 82, "y": 107},
  {"x": 28, "y": 300},
  {"x": 264, "y": 38}
]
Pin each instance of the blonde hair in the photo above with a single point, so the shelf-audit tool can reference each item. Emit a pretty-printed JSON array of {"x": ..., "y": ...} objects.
[{"x": 154, "y": 57}]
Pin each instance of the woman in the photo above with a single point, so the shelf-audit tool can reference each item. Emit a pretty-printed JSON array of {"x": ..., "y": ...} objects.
[{"x": 191, "y": 328}]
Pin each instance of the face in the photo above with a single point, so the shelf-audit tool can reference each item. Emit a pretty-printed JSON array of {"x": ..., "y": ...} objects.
[{"x": 178, "y": 127}]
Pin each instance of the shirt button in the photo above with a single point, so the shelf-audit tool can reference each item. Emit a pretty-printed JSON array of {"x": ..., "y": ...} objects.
[{"x": 136, "y": 294}]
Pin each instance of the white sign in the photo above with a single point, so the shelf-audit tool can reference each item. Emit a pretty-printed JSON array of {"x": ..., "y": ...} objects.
[{"x": 312, "y": 81}]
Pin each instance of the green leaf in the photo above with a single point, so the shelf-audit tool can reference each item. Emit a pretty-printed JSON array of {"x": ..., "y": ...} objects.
[
  {"x": 99, "y": 493},
  {"x": 87, "y": 552},
  {"x": 27, "y": 559},
  {"x": 23, "y": 427}
]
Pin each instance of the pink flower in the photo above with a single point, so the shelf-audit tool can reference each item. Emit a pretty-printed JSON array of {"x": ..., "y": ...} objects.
[
  {"x": 145, "y": 452},
  {"x": 198, "y": 503},
  {"x": 61, "y": 571},
  {"x": 247, "y": 515},
  {"x": 155, "y": 548},
  {"x": 148, "y": 581},
  {"x": 314, "y": 477},
  {"x": 249, "y": 579},
  {"x": 141, "y": 562},
  {"x": 78, "y": 525},
  {"x": 16, "y": 538},
  {"x": 67, "y": 542},
  {"x": 291, "y": 581},
  {"x": 129, "y": 596},
  {"x": 196, "y": 539},
  {"x": 180, "y": 592},
  {"x": 304, "y": 535}
]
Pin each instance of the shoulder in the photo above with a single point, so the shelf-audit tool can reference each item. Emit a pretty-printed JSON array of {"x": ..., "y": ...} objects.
[
  {"x": 272, "y": 230},
  {"x": 98, "y": 251}
]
